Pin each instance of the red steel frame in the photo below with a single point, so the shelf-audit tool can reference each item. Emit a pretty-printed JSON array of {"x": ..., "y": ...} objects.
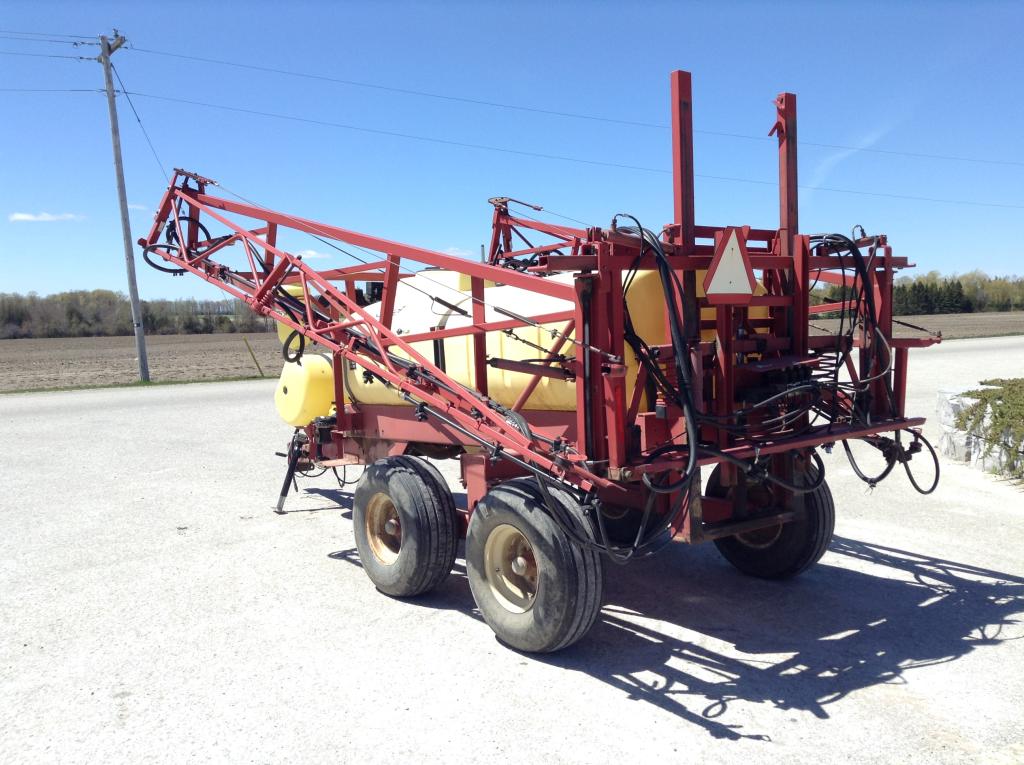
[{"x": 603, "y": 444}]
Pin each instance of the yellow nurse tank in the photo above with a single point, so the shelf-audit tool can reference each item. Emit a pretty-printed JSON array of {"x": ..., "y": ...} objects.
[{"x": 305, "y": 389}]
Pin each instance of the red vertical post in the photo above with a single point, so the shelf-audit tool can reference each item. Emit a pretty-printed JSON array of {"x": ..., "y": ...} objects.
[
  {"x": 340, "y": 366},
  {"x": 785, "y": 130},
  {"x": 682, "y": 199},
  {"x": 589, "y": 411},
  {"x": 682, "y": 195},
  {"x": 882, "y": 283},
  {"x": 476, "y": 288},
  {"x": 610, "y": 323},
  {"x": 682, "y": 157},
  {"x": 792, "y": 246},
  {"x": 789, "y": 219},
  {"x": 900, "y": 382}
]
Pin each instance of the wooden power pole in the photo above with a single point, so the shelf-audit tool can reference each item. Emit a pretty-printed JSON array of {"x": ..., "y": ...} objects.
[{"x": 107, "y": 47}]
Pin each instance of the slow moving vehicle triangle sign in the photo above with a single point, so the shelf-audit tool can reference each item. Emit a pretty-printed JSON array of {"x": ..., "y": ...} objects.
[{"x": 730, "y": 279}]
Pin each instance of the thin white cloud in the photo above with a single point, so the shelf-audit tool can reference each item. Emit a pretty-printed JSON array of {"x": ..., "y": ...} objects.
[
  {"x": 829, "y": 163},
  {"x": 458, "y": 252},
  {"x": 43, "y": 217},
  {"x": 132, "y": 206},
  {"x": 307, "y": 254}
]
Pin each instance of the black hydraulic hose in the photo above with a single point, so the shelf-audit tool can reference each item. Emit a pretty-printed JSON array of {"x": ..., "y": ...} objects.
[
  {"x": 896, "y": 453},
  {"x": 906, "y": 463},
  {"x": 677, "y": 485},
  {"x": 866, "y": 294},
  {"x": 293, "y": 358},
  {"x": 798, "y": 489},
  {"x": 147, "y": 251},
  {"x": 681, "y": 355},
  {"x": 890, "y": 463}
]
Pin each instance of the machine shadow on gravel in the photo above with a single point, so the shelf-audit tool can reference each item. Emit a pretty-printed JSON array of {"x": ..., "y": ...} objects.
[
  {"x": 810, "y": 641},
  {"x": 342, "y": 501}
]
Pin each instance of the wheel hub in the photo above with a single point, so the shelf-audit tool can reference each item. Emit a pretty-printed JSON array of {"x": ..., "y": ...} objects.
[
  {"x": 511, "y": 568},
  {"x": 383, "y": 528},
  {"x": 760, "y": 497}
]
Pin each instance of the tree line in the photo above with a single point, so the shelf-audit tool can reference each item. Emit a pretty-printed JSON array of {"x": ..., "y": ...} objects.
[
  {"x": 932, "y": 293},
  {"x": 91, "y": 313}
]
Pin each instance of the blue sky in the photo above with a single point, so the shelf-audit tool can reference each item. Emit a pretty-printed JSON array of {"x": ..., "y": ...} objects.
[{"x": 933, "y": 78}]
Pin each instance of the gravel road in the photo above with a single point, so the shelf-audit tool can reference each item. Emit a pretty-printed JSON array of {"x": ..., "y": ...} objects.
[{"x": 152, "y": 607}]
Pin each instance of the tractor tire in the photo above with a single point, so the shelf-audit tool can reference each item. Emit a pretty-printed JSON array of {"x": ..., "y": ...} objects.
[
  {"x": 405, "y": 525},
  {"x": 783, "y": 551},
  {"x": 539, "y": 590}
]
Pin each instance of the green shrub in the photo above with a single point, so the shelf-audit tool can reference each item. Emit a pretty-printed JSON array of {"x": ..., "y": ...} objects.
[{"x": 1002, "y": 405}]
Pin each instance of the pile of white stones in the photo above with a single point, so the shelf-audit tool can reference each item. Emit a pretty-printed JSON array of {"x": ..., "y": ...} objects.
[{"x": 961, "y": 446}]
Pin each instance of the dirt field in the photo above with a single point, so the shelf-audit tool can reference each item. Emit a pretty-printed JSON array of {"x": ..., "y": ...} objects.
[
  {"x": 953, "y": 326},
  {"x": 64, "y": 363},
  {"x": 70, "y": 362}
]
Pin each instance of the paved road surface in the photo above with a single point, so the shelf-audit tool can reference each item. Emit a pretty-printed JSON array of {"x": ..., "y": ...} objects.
[{"x": 152, "y": 607}]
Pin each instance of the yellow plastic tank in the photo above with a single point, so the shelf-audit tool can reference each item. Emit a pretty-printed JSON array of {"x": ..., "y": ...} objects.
[
  {"x": 305, "y": 389},
  {"x": 416, "y": 312}
]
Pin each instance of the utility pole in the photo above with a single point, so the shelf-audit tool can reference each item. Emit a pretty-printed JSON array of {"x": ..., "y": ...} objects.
[{"x": 106, "y": 49}]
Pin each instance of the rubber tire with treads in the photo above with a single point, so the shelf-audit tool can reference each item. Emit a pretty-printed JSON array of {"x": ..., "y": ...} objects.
[
  {"x": 570, "y": 577},
  {"x": 800, "y": 543},
  {"x": 428, "y": 519}
]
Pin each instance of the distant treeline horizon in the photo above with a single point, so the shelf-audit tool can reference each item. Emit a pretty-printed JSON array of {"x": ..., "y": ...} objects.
[
  {"x": 933, "y": 293},
  {"x": 102, "y": 313}
]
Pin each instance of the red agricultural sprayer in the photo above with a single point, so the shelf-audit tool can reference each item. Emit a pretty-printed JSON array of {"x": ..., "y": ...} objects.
[{"x": 582, "y": 376}]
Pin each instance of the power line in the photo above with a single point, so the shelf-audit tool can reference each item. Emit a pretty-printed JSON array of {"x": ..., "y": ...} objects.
[
  {"x": 51, "y": 90},
  {"x": 395, "y": 134},
  {"x": 44, "y": 34},
  {"x": 45, "y": 55},
  {"x": 74, "y": 43},
  {"x": 404, "y": 91},
  {"x": 138, "y": 119},
  {"x": 570, "y": 115},
  {"x": 559, "y": 157}
]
